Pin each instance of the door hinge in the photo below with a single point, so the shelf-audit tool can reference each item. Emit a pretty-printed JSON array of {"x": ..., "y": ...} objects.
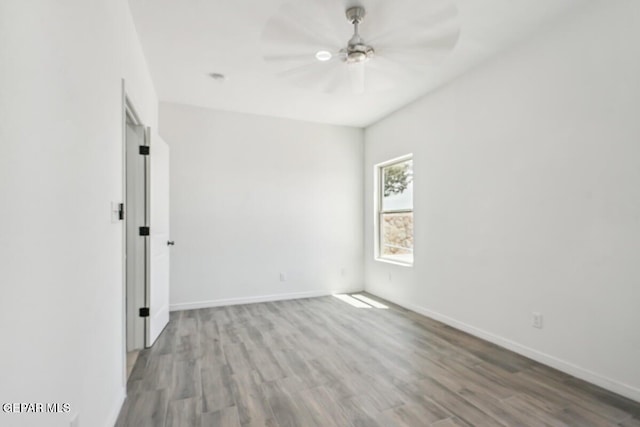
[
  {"x": 121, "y": 211},
  {"x": 144, "y": 311},
  {"x": 144, "y": 150},
  {"x": 144, "y": 231}
]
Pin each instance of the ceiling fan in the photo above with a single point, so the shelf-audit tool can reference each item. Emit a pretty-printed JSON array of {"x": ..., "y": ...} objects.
[
  {"x": 305, "y": 42},
  {"x": 357, "y": 51}
]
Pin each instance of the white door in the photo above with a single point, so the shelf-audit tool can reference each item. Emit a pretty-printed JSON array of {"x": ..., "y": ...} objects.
[
  {"x": 158, "y": 240},
  {"x": 135, "y": 244}
]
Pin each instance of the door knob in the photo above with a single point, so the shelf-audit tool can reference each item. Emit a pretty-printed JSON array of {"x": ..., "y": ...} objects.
[{"x": 171, "y": 243}]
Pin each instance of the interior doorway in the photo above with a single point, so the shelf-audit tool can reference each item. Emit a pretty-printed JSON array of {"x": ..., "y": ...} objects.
[
  {"x": 136, "y": 220},
  {"x": 146, "y": 239}
]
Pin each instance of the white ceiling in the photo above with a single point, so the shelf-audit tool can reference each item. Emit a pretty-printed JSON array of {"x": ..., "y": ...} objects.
[{"x": 186, "y": 40}]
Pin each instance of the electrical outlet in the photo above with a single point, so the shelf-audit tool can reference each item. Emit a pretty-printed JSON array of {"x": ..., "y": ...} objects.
[
  {"x": 283, "y": 277},
  {"x": 390, "y": 277},
  {"x": 537, "y": 320},
  {"x": 343, "y": 272}
]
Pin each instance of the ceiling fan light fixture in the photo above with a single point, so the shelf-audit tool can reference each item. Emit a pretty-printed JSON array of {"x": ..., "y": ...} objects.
[
  {"x": 323, "y": 55},
  {"x": 358, "y": 53}
]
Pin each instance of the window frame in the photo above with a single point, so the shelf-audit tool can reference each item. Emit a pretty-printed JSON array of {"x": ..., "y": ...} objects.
[{"x": 379, "y": 211}]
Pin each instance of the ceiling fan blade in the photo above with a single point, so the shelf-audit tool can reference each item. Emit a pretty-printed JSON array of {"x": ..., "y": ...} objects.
[
  {"x": 289, "y": 58},
  {"x": 297, "y": 57},
  {"x": 311, "y": 66},
  {"x": 442, "y": 23},
  {"x": 289, "y": 32},
  {"x": 356, "y": 75},
  {"x": 412, "y": 56},
  {"x": 326, "y": 77},
  {"x": 300, "y": 24},
  {"x": 430, "y": 42},
  {"x": 292, "y": 72},
  {"x": 337, "y": 82},
  {"x": 381, "y": 77},
  {"x": 394, "y": 71},
  {"x": 425, "y": 52}
]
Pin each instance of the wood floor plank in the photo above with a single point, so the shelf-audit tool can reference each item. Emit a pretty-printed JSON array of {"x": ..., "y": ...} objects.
[
  {"x": 237, "y": 357},
  {"x": 251, "y": 401},
  {"x": 631, "y": 422},
  {"x": 414, "y": 393},
  {"x": 295, "y": 366},
  {"x": 507, "y": 415},
  {"x": 361, "y": 412},
  {"x": 576, "y": 416},
  {"x": 553, "y": 401},
  {"x": 287, "y": 410},
  {"x": 159, "y": 373},
  {"x": 322, "y": 362},
  {"x": 227, "y": 417},
  {"x": 449, "y": 422},
  {"x": 187, "y": 347},
  {"x": 140, "y": 366},
  {"x": 383, "y": 394},
  {"x": 184, "y": 413},
  {"x": 186, "y": 379},
  {"x": 579, "y": 397},
  {"x": 323, "y": 408},
  {"x": 470, "y": 378},
  {"x": 411, "y": 415},
  {"x": 217, "y": 392},
  {"x": 594, "y": 393},
  {"x": 265, "y": 363},
  {"x": 165, "y": 343},
  {"x": 457, "y": 405},
  {"x": 146, "y": 409},
  {"x": 524, "y": 410}
]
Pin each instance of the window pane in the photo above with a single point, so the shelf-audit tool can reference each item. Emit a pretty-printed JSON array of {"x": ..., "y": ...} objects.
[
  {"x": 396, "y": 236},
  {"x": 397, "y": 180}
]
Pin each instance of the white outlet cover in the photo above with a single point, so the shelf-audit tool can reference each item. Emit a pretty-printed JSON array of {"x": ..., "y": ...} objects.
[{"x": 537, "y": 320}]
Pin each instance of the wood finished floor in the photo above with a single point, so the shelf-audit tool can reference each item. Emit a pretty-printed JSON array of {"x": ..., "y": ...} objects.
[{"x": 322, "y": 362}]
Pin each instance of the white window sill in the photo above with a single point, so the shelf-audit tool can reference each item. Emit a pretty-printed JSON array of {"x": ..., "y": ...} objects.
[{"x": 394, "y": 262}]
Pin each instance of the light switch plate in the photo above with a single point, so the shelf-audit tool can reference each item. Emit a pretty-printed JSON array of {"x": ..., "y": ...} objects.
[{"x": 115, "y": 212}]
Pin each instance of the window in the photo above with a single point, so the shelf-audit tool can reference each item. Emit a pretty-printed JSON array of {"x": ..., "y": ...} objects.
[{"x": 395, "y": 211}]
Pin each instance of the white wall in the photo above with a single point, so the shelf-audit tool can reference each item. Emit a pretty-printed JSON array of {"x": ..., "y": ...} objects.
[
  {"x": 254, "y": 196},
  {"x": 527, "y": 176},
  {"x": 61, "y": 65}
]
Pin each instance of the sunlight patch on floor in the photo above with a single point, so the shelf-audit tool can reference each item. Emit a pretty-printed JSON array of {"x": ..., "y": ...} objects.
[
  {"x": 352, "y": 301},
  {"x": 360, "y": 301},
  {"x": 370, "y": 301}
]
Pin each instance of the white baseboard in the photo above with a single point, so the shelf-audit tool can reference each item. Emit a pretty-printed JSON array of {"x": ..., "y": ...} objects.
[
  {"x": 618, "y": 387},
  {"x": 253, "y": 300},
  {"x": 113, "y": 418}
]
